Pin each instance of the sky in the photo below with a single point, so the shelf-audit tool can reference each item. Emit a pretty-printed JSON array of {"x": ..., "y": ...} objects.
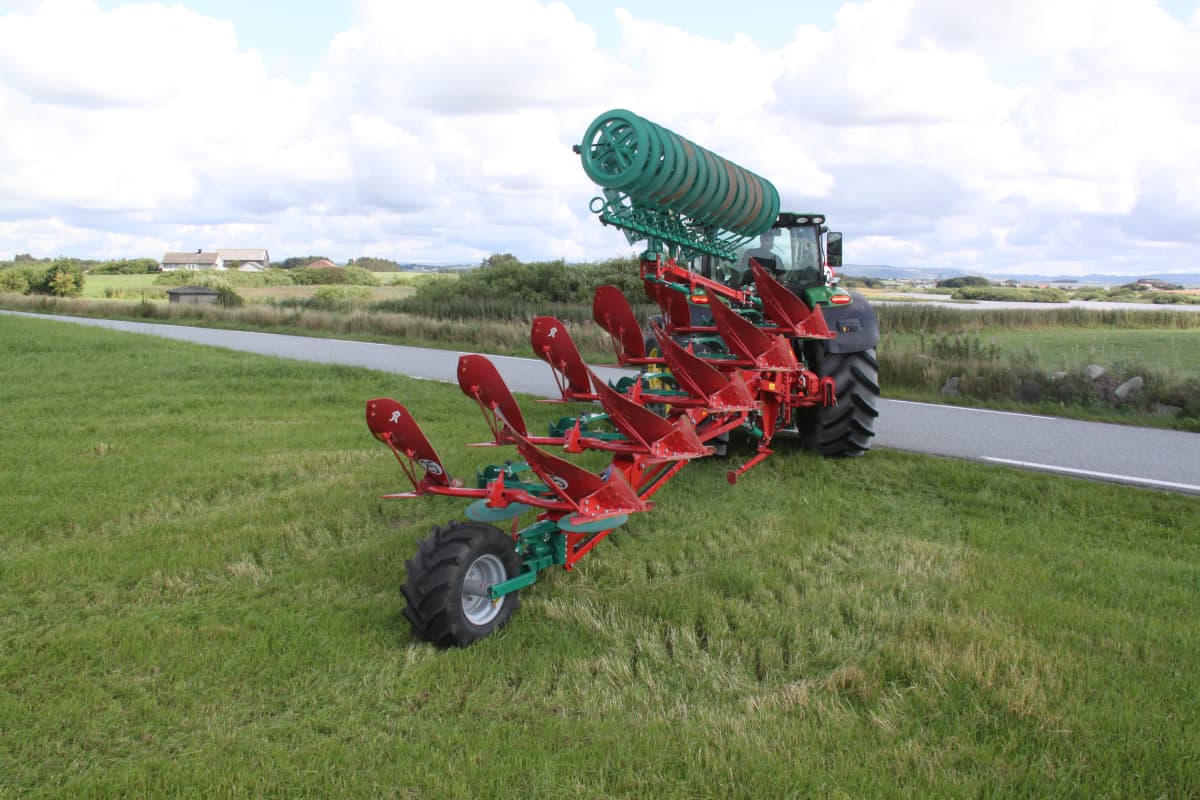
[{"x": 1052, "y": 137}]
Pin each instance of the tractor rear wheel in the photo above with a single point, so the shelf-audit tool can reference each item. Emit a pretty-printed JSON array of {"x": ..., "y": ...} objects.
[
  {"x": 845, "y": 429},
  {"x": 448, "y": 580}
]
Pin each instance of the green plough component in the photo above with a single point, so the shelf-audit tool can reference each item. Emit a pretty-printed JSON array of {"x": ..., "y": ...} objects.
[
  {"x": 661, "y": 186},
  {"x": 511, "y": 472},
  {"x": 541, "y": 546},
  {"x": 586, "y": 421}
]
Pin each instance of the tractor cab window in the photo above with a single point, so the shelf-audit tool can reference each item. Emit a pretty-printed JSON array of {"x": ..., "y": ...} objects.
[
  {"x": 792, "y": 255},
  {"x": 805, "y": 269}
]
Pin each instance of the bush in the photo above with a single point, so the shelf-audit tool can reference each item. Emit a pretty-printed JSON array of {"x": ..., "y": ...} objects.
[
  {"x": 228, "y": 298},
  {"x": 126, "y": 266},
  {"x": 1136, "y": 293},
  {"x": 375, "y": 264},
  {"x": 1004, "y": 293},
  {"x": 65, "y": 282},
  {"x": 299, "y": 261},
  {"x": 61, "y": 278},
  {"x": 355, "y": 276},
  {"x": 962, "y": 281},
  {"x": 271, "y": 277},
  {"x": 504, "y": 287},
  {"x": 342, "y": 293},
  {"x": 217, "y": 278},
  {"x": 16, "y": 279}
]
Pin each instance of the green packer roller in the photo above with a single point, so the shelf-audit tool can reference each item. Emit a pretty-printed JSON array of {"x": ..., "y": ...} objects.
[{"x": 662, "y": 186}]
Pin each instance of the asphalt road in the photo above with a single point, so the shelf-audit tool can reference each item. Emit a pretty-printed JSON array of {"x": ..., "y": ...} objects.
[{"x": 1158, "y": 459}]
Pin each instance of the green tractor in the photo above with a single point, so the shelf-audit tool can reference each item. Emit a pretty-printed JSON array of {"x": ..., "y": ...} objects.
[
  {"x": 802, "y": 253},
  {"x": 708, "y": 224}
]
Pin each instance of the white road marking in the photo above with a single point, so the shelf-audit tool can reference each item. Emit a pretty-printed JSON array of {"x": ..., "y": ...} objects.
[
  {"x": 1087, "y": 473},
  {"x": 965, "y": 408}
]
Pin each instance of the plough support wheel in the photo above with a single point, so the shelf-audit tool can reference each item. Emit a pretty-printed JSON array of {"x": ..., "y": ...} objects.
[{"x": 448, "y": 581}]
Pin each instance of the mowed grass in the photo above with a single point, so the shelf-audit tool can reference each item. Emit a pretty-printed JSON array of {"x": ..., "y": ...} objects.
[
  {"x": 198, "y": 597},
  {"x": 94, "y": 286}
]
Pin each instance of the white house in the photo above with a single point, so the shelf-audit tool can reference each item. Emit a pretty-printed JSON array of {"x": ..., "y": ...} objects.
[
  {"x": 192, "y": 261},
  {"x": 246, "y": 259},
  {"x": 243, "y": 259}
]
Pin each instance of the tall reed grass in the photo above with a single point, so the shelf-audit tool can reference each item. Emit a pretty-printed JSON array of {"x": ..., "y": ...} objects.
[
  {"x": 333, "y": 317},
  {"x": 981, "y": 371},
  {"x": 929, "y": 318}
]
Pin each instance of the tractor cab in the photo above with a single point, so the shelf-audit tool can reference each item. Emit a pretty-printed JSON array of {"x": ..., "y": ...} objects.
[{"x": 792, "y": 249}]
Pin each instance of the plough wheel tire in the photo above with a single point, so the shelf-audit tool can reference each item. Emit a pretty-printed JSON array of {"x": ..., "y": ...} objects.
[
  {"x": 845, "y": 429},
  {"x": 470, "y": 553}
]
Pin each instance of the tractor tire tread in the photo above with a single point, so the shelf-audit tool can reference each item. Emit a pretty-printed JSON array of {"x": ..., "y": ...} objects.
[{"x": 847, "y": 428}]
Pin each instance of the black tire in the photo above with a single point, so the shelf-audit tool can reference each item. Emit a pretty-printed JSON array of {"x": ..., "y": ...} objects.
[
  {"x": 648, "y": 339},
  {"x": 439, "y": 609},
  {"x": 845, "y": 429}
]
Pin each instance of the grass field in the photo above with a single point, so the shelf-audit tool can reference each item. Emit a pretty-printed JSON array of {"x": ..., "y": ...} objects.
[
  {"x": 1074, "y": 348},
  {"x": 94, "y": 286},
  {"x": 198, "y": 593},
  {"x": 1035, "y": 361},
  {"x": 395, "y": 285}
]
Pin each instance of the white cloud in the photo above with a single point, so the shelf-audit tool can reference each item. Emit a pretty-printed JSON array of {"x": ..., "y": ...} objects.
[
  {"x": 1023, "y": 135},
  {"x": 466, "y": 57},
  {"x": 681, "y": 75},
  {"x": 71, "y": 52},
  {"x": 867, "y": 70}
]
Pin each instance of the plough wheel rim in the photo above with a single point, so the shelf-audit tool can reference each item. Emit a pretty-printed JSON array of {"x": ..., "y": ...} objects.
[{"x": 487, "y": 570}]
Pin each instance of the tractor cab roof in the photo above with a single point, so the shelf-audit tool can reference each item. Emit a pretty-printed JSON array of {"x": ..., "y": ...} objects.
[{"x": 791, "y": 219}]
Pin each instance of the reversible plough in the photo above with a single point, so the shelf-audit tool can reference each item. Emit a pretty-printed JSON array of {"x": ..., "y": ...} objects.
[{"x": 722, "y": 356}]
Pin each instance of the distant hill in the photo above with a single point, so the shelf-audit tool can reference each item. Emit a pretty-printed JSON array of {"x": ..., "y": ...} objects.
[
  {"x": 1189, "y": 279},
  {"x": 891, "y": 273}
]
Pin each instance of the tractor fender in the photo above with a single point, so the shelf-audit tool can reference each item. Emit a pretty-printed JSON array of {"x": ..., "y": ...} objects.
[{"x": 855, "y": 324}]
